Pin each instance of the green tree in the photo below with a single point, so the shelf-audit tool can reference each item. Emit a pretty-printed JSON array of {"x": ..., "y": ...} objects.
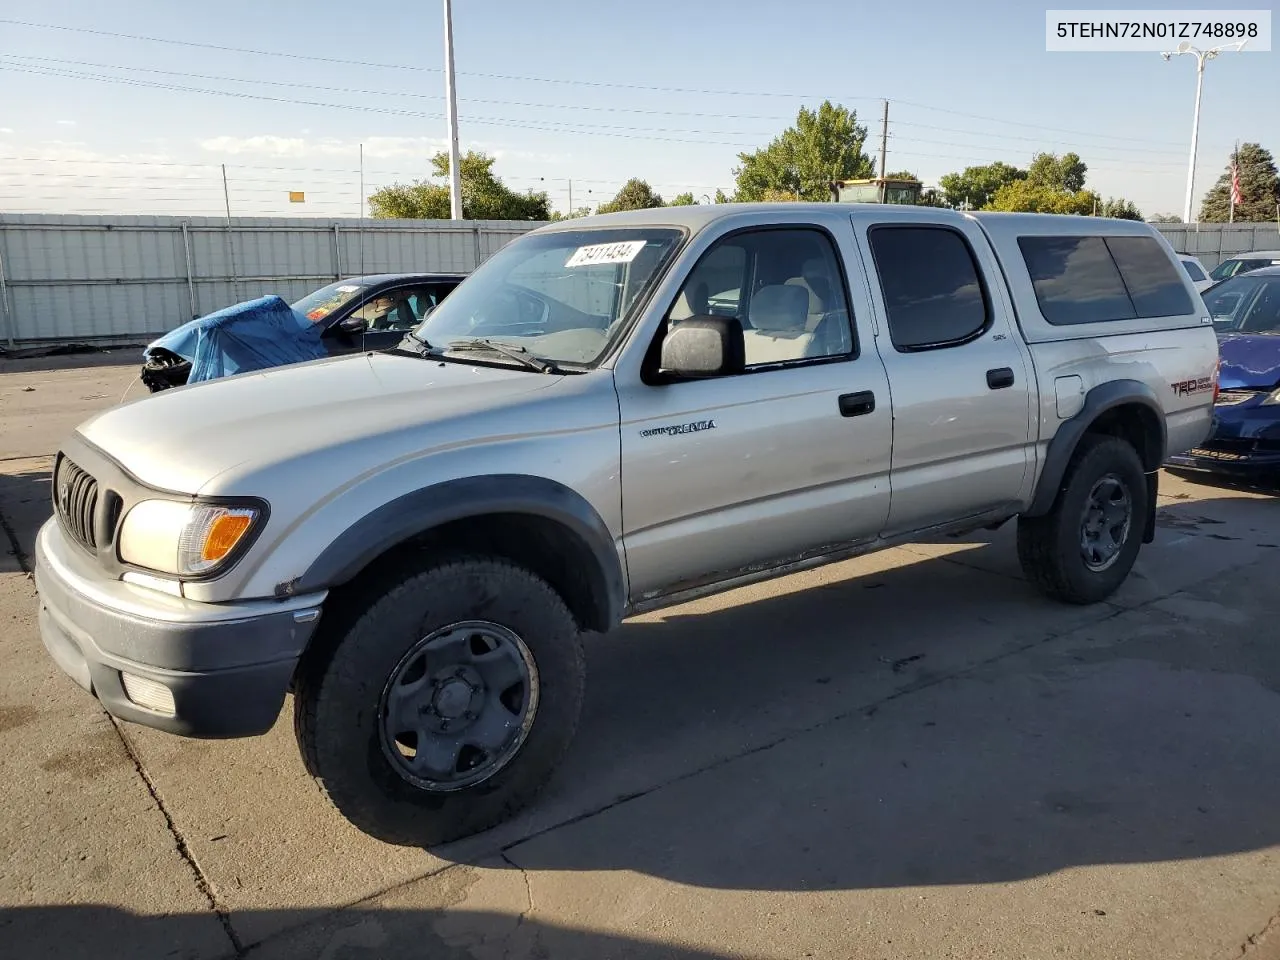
[
  {"x": 484, "y": 196},
  {"x": 823, "y": 145},
  {"x": 1120, "y": 209},
  {"x": 635, "y": 194},
  {"x": 557, "y": 216},
  {"x": 1259, "y": 189},
  {"x": 903, "y": 175},
  {"x": 1164, "y": 218},
  {"x": 974, "y": 188},
  {"x": 1065, "y": 173},
  {"x": 721, "y": 196},
  {"x": 682, "y": 200},
  {"x": 931, "y": 198},
  {"x": 1027, "y": 197}
]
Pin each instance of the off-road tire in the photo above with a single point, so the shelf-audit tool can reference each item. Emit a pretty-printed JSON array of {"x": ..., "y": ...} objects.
[
  {"x": 1049, "y": 546},
  {"x": 338, "y": 691}
]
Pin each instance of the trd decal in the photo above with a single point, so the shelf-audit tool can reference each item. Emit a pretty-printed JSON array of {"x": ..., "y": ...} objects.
[
  {"x": 675, "y": 428},
  {"x": 1187, "y": 388}
]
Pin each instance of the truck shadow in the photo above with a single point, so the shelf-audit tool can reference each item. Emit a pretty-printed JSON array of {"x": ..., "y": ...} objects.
[
  {"x": 24, "y": 505},
  {"x": 927, "y": 724},
  {"x": 363, "y": 933}
]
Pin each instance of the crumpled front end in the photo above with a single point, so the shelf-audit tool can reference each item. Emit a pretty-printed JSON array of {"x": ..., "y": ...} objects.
[{"x": 254, "y": 335}]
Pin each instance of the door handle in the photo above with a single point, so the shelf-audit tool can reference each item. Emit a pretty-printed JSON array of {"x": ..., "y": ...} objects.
[
  {"x": 1000, "y": 378},
  {"x": 857, "y": 404}
]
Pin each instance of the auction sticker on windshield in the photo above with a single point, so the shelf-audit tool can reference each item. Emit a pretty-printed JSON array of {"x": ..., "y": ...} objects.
[{"x": 622, "y": 252}]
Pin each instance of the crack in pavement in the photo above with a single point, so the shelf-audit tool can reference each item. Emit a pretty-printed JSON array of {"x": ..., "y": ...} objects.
[
  {"x": 1261, "y": 938},
  {"x": 528, "y": 892},
  {"x": 180, "y": 842}
]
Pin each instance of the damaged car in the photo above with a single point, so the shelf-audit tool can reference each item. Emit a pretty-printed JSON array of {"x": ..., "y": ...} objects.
[
  {"x": 355, "y": 315},
  {"x": 1245, "y": 437}
]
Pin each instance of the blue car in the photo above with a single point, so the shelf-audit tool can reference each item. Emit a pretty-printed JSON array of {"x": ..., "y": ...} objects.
[{"x": 1245, "y": 438}]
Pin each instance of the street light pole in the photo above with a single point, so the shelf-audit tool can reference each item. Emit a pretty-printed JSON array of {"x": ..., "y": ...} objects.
[
  {"x": 451, "y": 105},
  {"x": 1202, "y": 57}
]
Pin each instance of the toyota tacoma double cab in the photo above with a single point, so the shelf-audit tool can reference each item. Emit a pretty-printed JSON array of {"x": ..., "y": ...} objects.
[{"x": 610, "y": 415}]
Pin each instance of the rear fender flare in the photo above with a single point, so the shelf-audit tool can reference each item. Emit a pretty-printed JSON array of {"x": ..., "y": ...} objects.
[{"x": 1099, "y": 400}]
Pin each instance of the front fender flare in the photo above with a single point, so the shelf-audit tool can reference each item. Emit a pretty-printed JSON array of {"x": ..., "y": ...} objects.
[{"x": 418, "y": 511}]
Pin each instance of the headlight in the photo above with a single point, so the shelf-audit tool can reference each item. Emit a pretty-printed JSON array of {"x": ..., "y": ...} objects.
[
  {"x": 1273, "y": 398},
  {"x": 185, "y": 539}
]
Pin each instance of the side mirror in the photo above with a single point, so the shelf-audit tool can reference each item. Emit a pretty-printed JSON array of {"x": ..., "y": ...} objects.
[
  {"x": 353, "y": 325},
  {"x": 703, "y": 347}
]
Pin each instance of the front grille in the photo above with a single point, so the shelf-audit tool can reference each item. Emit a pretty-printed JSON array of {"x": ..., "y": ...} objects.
[{"x": 75, "y": 499}]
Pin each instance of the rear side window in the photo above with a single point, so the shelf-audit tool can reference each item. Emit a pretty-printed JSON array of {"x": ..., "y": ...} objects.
[
  {"x": 933, "y": 294},
  {"x": 1100, "y": 279},
  {"x": 1193, "y": 271},
  {"x": 1154, "y": 284}
]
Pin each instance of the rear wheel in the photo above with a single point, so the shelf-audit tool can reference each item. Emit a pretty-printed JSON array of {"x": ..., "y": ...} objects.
[
  {"x": 1084, "y": 548},
  {"x": 446, "y": 702}
]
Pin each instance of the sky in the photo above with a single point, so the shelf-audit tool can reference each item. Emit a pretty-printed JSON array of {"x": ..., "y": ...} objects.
[{"x": 571, "y": 96}]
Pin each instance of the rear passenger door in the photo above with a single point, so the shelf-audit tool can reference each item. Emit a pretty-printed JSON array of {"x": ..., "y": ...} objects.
[{"x": 959, "y": 373}]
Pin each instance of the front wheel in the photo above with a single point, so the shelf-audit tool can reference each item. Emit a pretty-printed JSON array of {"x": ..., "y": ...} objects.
[
  {"x": 446, "y": 704},
  {"x": 1084, "y": 548}
]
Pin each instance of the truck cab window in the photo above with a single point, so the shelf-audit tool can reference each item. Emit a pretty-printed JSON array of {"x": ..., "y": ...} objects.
[
  {"x": 932, "y": 291},
  {"x": 786, "y": 288}
]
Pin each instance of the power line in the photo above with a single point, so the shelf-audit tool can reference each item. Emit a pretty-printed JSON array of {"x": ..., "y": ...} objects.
[
  {"x": 1034, "y": 126},
  {"x": 399, "y": 93},
  {"x": 574, "y": 82},
  {"x": 415, "y": 67},
  {"x": 593, "y": 130},
  {"x": 988, "y": 135}
]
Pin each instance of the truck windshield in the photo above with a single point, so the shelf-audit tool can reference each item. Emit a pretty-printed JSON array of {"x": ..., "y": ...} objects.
[{"x": 561, "y": 296}]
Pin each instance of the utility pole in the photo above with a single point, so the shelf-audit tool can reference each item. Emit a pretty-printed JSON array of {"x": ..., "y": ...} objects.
[
  {"x": 451, "y": 104},
  {"x": 226, "y": 195},
  {"x": 884, "y": 149},
  {"x": 1202, "y": 57},
  {"x": 571, "y": 196}
]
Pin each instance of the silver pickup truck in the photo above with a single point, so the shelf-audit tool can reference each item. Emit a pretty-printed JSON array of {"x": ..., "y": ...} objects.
[{"x": 612, "y": 414}]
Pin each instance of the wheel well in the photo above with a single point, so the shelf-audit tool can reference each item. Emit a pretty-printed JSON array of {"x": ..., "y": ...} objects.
[
  {"x": 538, "y": 544},
  {"x": 1137, "y": 424}
]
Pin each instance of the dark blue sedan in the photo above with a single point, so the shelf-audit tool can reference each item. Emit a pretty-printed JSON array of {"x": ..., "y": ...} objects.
[{"x": 1245, "y": 438}]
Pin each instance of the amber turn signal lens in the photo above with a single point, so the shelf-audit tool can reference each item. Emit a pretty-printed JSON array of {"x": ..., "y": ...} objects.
[{"x": 223, "y": 535}]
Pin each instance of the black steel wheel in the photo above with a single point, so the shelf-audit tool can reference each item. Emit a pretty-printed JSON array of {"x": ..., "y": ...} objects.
[
  {"x": 439, "y": 705},
  {"x": 1083, "y": 549}
]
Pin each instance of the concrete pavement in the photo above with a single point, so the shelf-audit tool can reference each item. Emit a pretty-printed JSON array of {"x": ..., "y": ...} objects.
[{"x": 910, "y": 754}]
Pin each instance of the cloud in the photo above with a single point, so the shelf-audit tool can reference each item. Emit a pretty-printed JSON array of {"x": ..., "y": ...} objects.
[
  {"x": 6, "y": 129},
  {"x": 378, "y": 148},
  {"x": 66, "y": 123},
  {"x": 531, "y": 156}
]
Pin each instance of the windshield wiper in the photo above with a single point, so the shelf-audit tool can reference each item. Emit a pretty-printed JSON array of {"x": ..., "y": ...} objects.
[
  {"x": 519, "y": 354},
  {"x": 412, "y": 345}
]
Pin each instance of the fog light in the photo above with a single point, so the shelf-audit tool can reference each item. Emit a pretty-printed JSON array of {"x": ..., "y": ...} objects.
[{"x": 148, "y": 693}]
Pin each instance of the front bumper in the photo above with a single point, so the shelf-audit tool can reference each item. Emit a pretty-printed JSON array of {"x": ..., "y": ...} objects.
[
  {"x": 227, "y": 666},
  {"x": 1246, "y": 462}
]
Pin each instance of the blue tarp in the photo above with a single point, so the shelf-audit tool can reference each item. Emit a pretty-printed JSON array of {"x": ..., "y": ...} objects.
[{"x": 253, "y": 335}]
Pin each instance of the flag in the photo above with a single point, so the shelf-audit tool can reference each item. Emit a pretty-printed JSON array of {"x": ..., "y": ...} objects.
[{"x": 1236, "y": 196}]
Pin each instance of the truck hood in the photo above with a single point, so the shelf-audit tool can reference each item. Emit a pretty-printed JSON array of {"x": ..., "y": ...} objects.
[
  {"x": 1249, "y": 361},
  {"x": 180, "y": 439}
]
